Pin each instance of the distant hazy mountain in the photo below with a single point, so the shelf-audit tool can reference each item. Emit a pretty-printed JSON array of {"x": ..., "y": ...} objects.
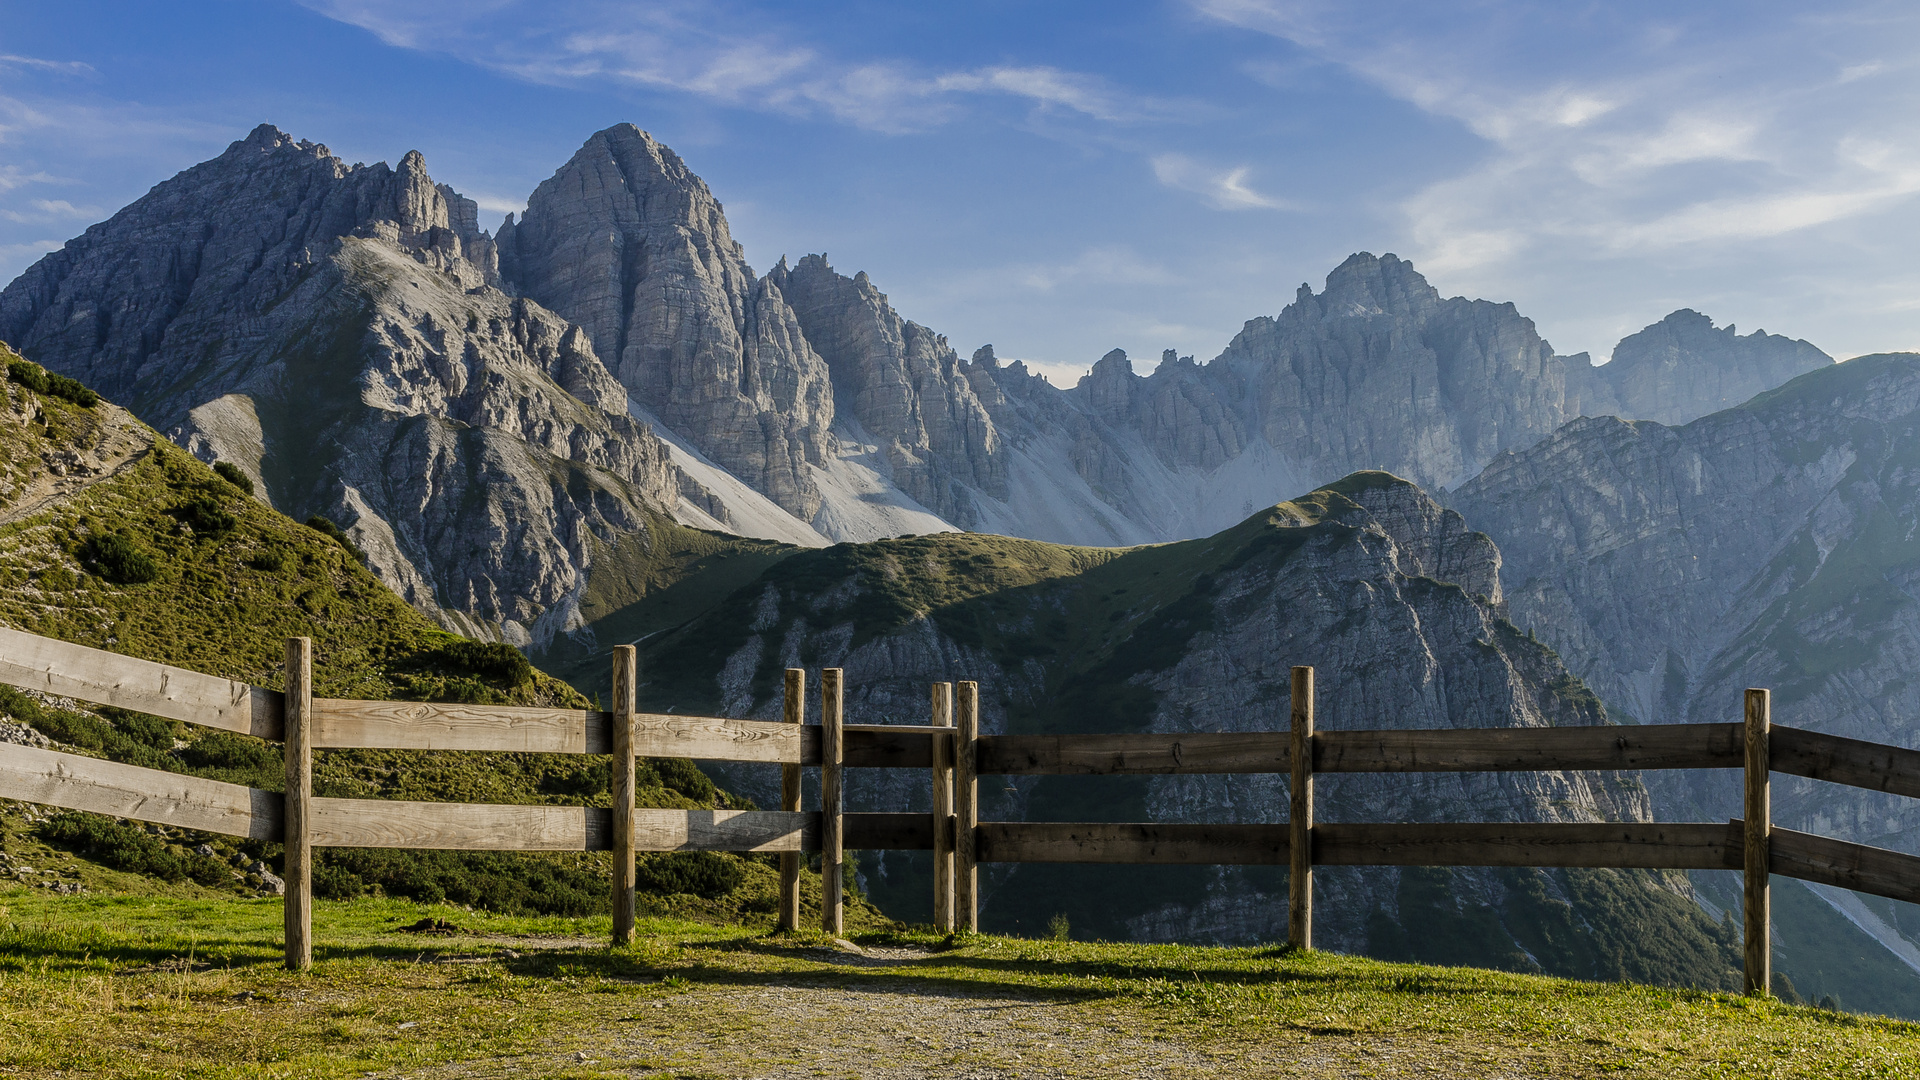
[{"x": 498, "y": 419}]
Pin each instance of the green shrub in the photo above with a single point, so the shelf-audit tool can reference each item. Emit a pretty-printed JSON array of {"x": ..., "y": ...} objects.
[
  {"x": 128, "y": 847},
  {"x": 705, "y": 874},
  {"x": 493, "y": 660},
  {"x": 116, "y": 557},
  {"x": 320, "y": 524},
  {"x": 229, "y": 750},
  {"x": 231, "y": 474},
  {"x": 272, "y": 560},
  {"x": 205, "y": 516},
  {"x": 41, "y": 381}
]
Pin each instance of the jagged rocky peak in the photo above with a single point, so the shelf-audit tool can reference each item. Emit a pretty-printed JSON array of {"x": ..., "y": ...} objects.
[
  {"x": 1368, "y": 285},
  {"x": 1682, "y": 367},
  {"x": 331, "y": 330},
  {"x": 245, "y": 226},
  {"x": 626, "y": 241},
  {"x": 904, "y": 385}
]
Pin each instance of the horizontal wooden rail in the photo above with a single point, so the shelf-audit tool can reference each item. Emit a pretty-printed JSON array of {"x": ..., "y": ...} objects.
[
  {"x": 1136, "y": 754},
  {"x": 890, "y": 832},
  {"x": 1860, "y": 764},
  {"x": 1858, "y": 867},
  {"x": 1651, "y": 746},
  {"x": 340, "y": 723},
  {"x": 379, "y": 823},
  {"x": 103, "y": 678},
  {"x": 1131, "y": 842},
  {"x": 72, "y": 782},
  {"x": 1644, "y": 845}
]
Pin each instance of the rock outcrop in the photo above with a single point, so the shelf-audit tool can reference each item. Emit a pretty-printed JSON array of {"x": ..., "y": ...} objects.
[
  {"x": 336, "y": 331},
  {"x": 627, "y": 242},
  {"x": 1682, "y": 368},
  {"x": 1393, "y": 600},
  {"x": 1768, "y": 545}
]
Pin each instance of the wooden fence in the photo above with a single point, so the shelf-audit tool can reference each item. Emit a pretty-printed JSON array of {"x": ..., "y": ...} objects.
[{"x": 955, "y": 752}]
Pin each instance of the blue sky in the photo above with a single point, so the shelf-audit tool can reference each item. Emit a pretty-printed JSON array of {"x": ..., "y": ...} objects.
[{"x": 1060, "y": 179}]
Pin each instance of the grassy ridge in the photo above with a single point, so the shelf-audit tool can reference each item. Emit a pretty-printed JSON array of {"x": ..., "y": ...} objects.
[
  {"x": 146, "y": 986},
  {"x": 167, "y": 559}
]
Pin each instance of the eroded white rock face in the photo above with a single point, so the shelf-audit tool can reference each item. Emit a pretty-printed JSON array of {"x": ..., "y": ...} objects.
[
  {"x": 337, "y": 332},
  {"x": 627, "y": 242}
]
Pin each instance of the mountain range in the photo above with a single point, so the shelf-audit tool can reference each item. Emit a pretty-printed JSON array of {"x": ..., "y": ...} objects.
[{"x": 601, "y": 424}]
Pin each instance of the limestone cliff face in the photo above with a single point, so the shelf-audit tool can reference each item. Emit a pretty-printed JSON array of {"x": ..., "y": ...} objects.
[
  {"x": 1682, "y": 368},
  {"x": 1393, "y": 600},
  {"x": 627, "y": 242},
  {"x": 335, "y": 330},
  {"x": 1767, "y": 545},
  {"x": 903, "y": 384}
]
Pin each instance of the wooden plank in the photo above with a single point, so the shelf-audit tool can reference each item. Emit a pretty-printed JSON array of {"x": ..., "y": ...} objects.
[
  {"x": 1132, "y": 842},
  {"x": 1134, "y": 754},
  {"x": 380, "y": 823},
  {"x": 889, "y": 832},
  {"x": 72, "y": 782},
  {"x": 1300, "y": 812},
  {"x": 1756, "y": 900},
  {"x": 296, "y": 866},
  {"x": 940, "y": 776},
  {"x": 887, "y": 746},
  {"x": 1653, "y": 746},
  {"x": 832, "y": 879},
  {"x": 1875, "y": 870},
  {"x": 726, "y": 830},
  {"x": 626, "y": 681},
  {"x": 422, "y": 725},
  {"x": 966, "y": 807},
  {"x": 1892, "y": 769},
  {"x": 793, "y": 711},
  {"x": 713, "y": 738},
  {"x": 1688, "y": 846},
  {"x": 482, "y": 827},
  {"x": 104, "y": 678}
]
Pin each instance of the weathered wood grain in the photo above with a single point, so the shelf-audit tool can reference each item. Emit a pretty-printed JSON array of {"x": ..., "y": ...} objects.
[
  {"x": 1131, "y": 842},
  {"x": 72, "y": 782},
  {"x": 966, "y": 806},
  {"x": 421, "y": 725},
  {"x": 1892, "y": 874},
  {"x": 794, "y": 712},
  {"x": 1687, "y": 846},
  {"x": 940, "y": 776},
  {"x": 1757, "y": 899},
  {"x": 104, "y": 678},
  {"x": 296, "y": 815},
  {"x": 626, "y": 681},
  {"x": 1652, "y": 746},
  {"x": 1300, "y": 758},
  {"x": 713, "y": 738},
  {"x": 1133, "y": 754},
  {"x": 483, "y": 827},
  {"x": 832, "y": 841},
  {"x": 1838, "y": 760}
]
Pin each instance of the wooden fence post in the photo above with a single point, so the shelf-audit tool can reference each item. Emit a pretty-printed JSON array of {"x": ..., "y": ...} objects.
[
  {"x": 297, "y": 867},
  {"x": 1300, "y": 814},
  {"x": 626, "y": 681},
  {"x": 795, "y": 712},
  {"x": 1759, "y": 827},
  {"x": 832, "y": 900},
  {"x": 966, "y": 792},
  {"x": 942, "y": 807}
]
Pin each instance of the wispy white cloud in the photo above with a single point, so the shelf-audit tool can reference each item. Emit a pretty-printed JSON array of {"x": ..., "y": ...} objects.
[
  {"x": 1627, "y": 131},
  {"x": 65, "y": 67},
  {"x": 700, "y": 49},
  {"x": 1223, "y": 189},
  {"x": 49, "y": 210}
]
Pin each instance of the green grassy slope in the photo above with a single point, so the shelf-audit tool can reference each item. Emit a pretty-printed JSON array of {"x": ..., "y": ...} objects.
[{"x": 161, "y": 557}]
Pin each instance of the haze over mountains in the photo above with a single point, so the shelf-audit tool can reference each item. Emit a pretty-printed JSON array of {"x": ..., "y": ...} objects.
[{"x": 517, "y": 427}]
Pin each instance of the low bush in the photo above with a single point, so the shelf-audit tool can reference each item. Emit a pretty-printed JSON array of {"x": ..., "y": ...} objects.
[
  {"x": 323, "y": 525},
  {"x": 205, "y": 516},
  {"x": 128, "y": 847},
  {"x": 231, "y": 474},
  {"x": 118, "y": 558},
  {"x": 41, "y": 381}
]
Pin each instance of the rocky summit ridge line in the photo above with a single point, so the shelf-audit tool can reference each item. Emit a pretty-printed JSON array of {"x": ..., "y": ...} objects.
[{"x": 498, "y": 420}]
